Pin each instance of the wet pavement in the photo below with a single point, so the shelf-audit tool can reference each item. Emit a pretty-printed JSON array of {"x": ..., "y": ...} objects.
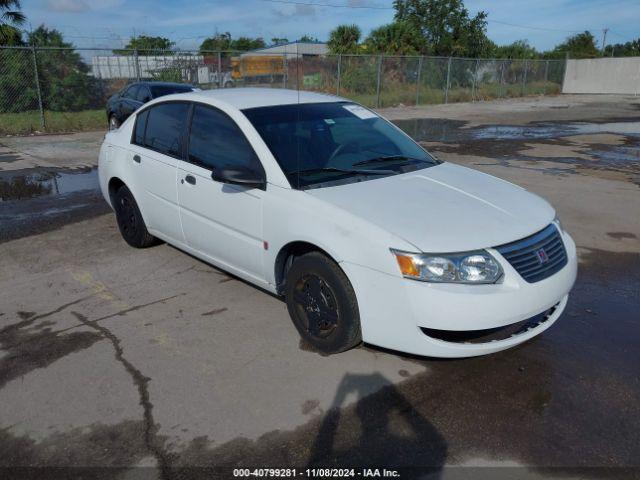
[
  {"x": 40, "y": 199},
  {"x": 115, "y": 357},
  {"x": 603, "y": 145}
]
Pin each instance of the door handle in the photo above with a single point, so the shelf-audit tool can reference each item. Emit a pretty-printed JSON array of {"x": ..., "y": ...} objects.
[
  {"x": 190, "y": 179},
  {"x": 136, "y": 158}
]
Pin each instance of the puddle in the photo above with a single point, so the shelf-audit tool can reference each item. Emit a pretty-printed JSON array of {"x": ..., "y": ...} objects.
[
  {"x": 40, "y": 183},
  {"x": 443, "y": 130}
]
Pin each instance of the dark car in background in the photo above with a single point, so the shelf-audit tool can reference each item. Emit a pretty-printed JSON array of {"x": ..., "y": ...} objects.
[{"x": 130, "y": 98}]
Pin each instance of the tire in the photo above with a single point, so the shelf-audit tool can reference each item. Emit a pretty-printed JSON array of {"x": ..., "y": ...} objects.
[
  {"x": 114, "y": 123},
  {"x": 322, "y": 304},
  {"x": 130, "y": 221}
]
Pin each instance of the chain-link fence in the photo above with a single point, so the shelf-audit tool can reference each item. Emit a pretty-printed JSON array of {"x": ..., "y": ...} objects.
[{"x": 57, "y": 89}]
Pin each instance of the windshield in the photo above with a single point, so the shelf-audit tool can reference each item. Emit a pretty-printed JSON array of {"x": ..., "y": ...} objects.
[
  {"x": 162, "y": 90},
  {"x": 323, "y": 144}
]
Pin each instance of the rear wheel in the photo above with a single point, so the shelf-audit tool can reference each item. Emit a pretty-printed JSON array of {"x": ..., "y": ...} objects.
[
  {"x": 322, "y": 304},
  {"x": 130, "y": 221}
]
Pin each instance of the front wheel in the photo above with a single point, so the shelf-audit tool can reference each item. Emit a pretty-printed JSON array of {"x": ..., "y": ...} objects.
[{"x": 322, "y": 304}]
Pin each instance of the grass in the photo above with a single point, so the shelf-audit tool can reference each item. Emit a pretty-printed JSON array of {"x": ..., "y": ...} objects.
[
  {"x": 25, "y": 123},
  {"x": 405, "y": 94}
]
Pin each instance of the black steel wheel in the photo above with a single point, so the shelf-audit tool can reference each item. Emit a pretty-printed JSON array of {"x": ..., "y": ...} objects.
[
  {"x": 322, "y": 304},
  {"x": 130, "y": 221}
]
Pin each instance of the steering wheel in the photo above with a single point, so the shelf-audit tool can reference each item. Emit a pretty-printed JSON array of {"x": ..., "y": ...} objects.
[{"x": 344, "y": 148}]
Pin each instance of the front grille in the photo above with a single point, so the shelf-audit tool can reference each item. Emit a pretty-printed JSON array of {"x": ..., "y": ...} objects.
[{"x": 536, "y": 257}]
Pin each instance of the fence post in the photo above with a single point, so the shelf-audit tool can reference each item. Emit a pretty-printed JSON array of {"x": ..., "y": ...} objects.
[
  {"x": 418, "y": 80},
  {"x": 378, "y": 82},
  {"x": 285, "y": 65},
  {"x": 546, "y": 75},
  {"x": 220, "y": 80},
  {"x": 524, "y": 78},
  {"x": 137, "y": 64},
  {"x": 446, "y": 86},
  {"x": 339, "y": 73},
  {"x": 475, "y": 79},
  {"x": 38, "y": 91},
  {"x": 501, "y": 78}
]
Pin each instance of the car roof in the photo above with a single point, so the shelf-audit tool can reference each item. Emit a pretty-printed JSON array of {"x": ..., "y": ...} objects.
[
  {"x": 243, "y": 98},
  {"x": 164, "y": 84}
]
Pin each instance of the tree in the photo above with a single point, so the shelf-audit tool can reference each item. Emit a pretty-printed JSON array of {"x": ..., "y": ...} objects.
[
  {"x": 11, "y": 18},
  {"x": 222, "y": 42},
  {"x": 519, "y": 49},
  {"x": 219, "y": 42},
  {"x": 144, "y": 44},
  {"x": 64, "y": 78},
  {"x": 344, "y": 39},
  {"x": 279, "y": 41},
  {"x": 246, "y": 43},
  {"x": 308, "y": 39},
  {"x": 581, "y": 45},
  {"x": 627, "y": 49},
  {"x": 398, "y": 38},
  {"x": 446, "y": 26}
]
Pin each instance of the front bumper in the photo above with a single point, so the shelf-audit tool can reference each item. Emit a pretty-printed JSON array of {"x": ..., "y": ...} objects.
[{"x": 394, "y": 309}]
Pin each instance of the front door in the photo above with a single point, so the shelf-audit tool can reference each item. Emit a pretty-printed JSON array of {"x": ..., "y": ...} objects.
[{"x": 222, "y": 222}]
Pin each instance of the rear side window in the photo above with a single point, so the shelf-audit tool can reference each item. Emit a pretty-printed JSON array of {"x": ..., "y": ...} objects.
[
  {"x": 141, "y": 124},
  {"x": 164, "y": 126},
  {"x": 131, "y": 92},
  {"x": 143, "y": 94},
  {"x": 215, "y": 141}
]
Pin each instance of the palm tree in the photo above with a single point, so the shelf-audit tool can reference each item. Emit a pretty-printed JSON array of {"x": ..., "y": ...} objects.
[
  {"x": 10, "y": 19},
  {"x": 344, "y": 39}
]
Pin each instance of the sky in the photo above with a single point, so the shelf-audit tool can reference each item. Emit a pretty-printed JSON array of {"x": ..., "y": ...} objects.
[{"x": 110, "y": 23}]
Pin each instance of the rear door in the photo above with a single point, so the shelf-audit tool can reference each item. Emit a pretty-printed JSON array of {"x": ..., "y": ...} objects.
[
  {"x": 222, "y": 222},
  {"x": 129, "y": 102},
  {"x": 143, "y": 95},
  {"x": 156, "y": 150}
]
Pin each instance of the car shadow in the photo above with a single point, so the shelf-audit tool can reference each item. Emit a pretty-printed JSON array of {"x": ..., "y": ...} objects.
[{"x": 382, "y": 430}]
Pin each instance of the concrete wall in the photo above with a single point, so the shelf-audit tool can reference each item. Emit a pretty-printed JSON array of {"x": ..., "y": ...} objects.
[{"x": 603, "y": 75}]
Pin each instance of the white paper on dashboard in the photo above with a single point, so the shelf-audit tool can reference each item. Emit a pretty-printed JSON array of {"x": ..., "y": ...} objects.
[{"x": 360, "y": 112}]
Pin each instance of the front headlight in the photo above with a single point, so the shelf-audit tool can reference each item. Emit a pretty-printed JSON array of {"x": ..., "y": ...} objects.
[
  {"x": 558, "y": 223},
  {"x": 466, "y": 267}
]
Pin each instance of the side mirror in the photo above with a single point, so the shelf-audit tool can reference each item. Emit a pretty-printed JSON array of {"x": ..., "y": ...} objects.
[{"x": 240, "y": 176}]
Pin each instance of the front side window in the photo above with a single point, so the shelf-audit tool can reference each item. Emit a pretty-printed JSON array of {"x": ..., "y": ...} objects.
[
  {"x": 216, "y": 141},
  {"x": 322, "y": 144},
  {"x": 165, "y": 126}
]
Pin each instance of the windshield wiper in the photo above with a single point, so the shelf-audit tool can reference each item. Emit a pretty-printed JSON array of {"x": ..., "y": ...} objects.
[
  {"x": 389, "y": 158},
  {"x": 341, "y": 170}
]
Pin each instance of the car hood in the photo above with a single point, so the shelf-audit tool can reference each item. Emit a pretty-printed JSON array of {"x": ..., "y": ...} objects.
[{"x": 445, "y": 208}]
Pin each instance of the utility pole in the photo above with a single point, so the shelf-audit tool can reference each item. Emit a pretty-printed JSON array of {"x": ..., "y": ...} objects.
[{"x": 604, "y": 38}]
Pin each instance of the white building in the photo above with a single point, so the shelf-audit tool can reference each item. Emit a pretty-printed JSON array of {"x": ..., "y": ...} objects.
[{"x": 292, "y": 49}]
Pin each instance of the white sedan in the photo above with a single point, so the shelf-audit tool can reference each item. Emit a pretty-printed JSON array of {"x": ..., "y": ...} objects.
[{"x": 366, "y": 235}]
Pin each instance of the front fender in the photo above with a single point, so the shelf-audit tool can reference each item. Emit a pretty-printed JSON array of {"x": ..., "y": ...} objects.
[{"x": 343, "y": 236}]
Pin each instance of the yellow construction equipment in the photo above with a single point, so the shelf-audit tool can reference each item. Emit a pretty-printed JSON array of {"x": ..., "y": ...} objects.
[{"x": 257, "y": 67}]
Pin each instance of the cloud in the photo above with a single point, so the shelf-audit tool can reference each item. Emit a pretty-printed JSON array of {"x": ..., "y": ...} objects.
[
  {"x": 300, "y": 10},
  {"x": 74, "y": 6}
]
